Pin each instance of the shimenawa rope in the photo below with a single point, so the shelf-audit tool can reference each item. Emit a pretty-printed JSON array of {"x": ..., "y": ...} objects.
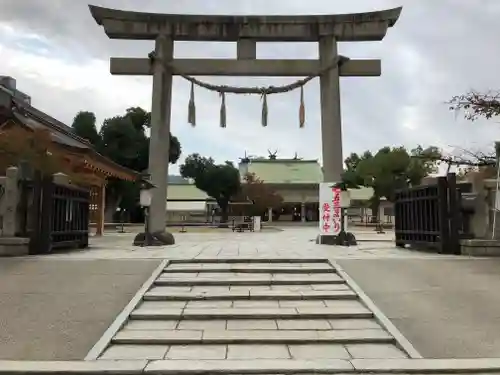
[{"x": 262, "y": 91}]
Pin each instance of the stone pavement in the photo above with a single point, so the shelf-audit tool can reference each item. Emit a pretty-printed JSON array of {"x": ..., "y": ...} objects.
[
  {"x": 292, "y": 242},
  {"x": 256, "y": 309},
  {"x": 216, "y": 301}
]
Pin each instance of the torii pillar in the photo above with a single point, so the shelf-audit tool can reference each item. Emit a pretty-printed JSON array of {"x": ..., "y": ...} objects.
[
  {"x": 246, "y": 31},
  {"x": 331, "y": 118}
]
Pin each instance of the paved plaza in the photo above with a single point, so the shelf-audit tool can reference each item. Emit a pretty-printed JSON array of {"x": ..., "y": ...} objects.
[
  {"x": 291, "y": 242},
  {"x": 249, "y": 299}
]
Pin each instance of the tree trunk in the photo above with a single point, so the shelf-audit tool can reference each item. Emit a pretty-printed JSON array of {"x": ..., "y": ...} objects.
[
  {"x": 224, "y": 214},
  {"x": 375, "y": 208}
]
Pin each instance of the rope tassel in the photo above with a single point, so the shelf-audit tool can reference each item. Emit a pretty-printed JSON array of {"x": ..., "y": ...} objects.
[
  {"x": 264, "y": 109},
  {"x": 223, "y": 110},
  {"x": 192, "y": 108},
  {"x": 302, "y": 108}
]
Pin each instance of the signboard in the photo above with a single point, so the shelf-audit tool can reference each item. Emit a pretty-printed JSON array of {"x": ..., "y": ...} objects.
[{"x": 331, "y": 202}]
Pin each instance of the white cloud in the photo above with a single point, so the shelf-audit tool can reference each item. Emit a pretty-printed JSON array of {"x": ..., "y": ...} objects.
[{"x": 62, "y": 63}]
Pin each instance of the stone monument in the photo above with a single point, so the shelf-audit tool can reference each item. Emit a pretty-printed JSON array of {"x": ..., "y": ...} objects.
[{"x": 246, "y": 31}]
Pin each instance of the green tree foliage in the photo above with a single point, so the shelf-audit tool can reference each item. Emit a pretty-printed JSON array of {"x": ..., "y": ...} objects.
[
  {"x": 84, "y": 125},
  {"x": 123, "y": 139},
  {"x": 388, "y": 170},
  {"x": 219, "y": 181}
]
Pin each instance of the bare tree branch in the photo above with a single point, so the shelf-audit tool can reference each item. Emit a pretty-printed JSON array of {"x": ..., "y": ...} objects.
[
  {"x": 468, "y": 158},
  {"x": 477, "y": 105}
]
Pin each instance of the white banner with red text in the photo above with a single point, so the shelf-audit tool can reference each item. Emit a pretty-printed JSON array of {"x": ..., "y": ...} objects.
[{"x": 331, "y": 201}]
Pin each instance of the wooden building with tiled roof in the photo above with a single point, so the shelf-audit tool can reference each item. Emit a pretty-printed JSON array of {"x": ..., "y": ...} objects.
[
  {"x": 297, "y": 181},
  {"x": 21, "y": 123}
]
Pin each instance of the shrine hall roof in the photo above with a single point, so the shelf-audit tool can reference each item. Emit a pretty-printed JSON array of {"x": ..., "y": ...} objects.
[
  {"x": 286, "y": 171},
  {"x": 16, "y": 106},
  {"x": 185, "y": 192},
  {"x": 296, "y": 172}
]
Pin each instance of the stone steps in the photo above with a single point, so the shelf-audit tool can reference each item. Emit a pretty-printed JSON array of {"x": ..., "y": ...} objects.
[
  {"x": 235, "y": 310},
  {"x": 157, "y": 294},
  {"x": 186, "y": 337},
  {"x": 254, "y": 270},
  {"x": 251, "y": 261},
  {"x": 254, "y": 324},
  {"x": 256, "y": 366},
  {"x": 259, "y": 279},
  {"x": 251, "y": 268},
  {"x": 290, "y": 313}
]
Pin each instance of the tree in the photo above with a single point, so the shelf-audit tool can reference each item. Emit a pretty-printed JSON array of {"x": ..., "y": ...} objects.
[
  {"x": 388, "y": 170},
  {"x": 255, "y": 190},
  {"x": 477, "y": 105},
  {"x": 351, "y": 179},
  {"x": 84, "y": 125},
  {"x": 219, "y": 181},
  {"x": 123, "y": 139},
  {"x": 423, "y": 162}
]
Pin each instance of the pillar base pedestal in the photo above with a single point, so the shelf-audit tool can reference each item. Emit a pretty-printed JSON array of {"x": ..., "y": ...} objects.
[
  {"x": 161, "y": 238},
  {"x": 14, "y": 246},
  {"x": 342, "y": 239}
]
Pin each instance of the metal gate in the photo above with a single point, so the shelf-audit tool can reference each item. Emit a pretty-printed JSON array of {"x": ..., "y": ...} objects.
[
  {"x": 430, "y": 216},
  {"x": 59, "y": 216}
]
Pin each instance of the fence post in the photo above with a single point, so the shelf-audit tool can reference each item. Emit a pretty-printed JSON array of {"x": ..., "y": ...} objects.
[
  {"x": 11, "y": 199},
  {"x": 453, "y": 214},
  {"x": 34, "y": 214},
  {"x": 46, "y": 215},
  {"x": 398, "y": 227},
  {"x": 444, "y": 228}
]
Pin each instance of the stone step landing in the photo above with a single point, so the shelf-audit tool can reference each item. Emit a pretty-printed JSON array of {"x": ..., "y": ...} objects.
[
  {"x": 166, "y": 294},
  {"x": 211, "y": 337},
  {"x": 216, "y": 279},
  {"x": 277, "y": 366},
  {"x": 276, "y": 268},
  {"x": 235, "y": 312}
]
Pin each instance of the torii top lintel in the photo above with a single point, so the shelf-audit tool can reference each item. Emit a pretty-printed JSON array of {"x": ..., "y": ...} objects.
[{"x": 369, "y": 26}]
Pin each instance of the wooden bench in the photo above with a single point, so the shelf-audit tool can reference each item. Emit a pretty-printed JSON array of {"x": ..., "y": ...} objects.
[{"x": 241, "y": 226}]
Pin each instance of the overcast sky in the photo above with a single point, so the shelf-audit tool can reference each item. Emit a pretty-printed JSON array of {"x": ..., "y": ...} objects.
[{"x": 438, "y": 48}]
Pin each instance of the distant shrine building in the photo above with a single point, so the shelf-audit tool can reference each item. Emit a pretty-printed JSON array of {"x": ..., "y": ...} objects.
[{"x": 296, "y": 180}]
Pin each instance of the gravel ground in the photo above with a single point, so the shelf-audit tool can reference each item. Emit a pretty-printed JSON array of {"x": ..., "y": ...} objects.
[
  {"x": 52, "y": 309},
  {"x": 446, "y": 308}
]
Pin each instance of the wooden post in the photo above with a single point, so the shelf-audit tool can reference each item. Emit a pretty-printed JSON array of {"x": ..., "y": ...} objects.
[
  {"x": 101, "y": 205},
  {"x": 47, "y": 215}
]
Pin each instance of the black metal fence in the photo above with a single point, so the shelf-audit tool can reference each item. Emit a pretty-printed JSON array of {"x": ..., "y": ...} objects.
[
  {"x": 430, "y": 216},
  {"x": 57, "y": 215}
]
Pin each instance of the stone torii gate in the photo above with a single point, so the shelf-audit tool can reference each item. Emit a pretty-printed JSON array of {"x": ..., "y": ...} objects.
[{"x": 246, "y": 31}]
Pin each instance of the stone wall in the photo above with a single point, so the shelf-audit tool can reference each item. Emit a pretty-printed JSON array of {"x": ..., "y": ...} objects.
[
  {"x": 9, "y": 202},
  {"x": 483, "y": 218}
]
